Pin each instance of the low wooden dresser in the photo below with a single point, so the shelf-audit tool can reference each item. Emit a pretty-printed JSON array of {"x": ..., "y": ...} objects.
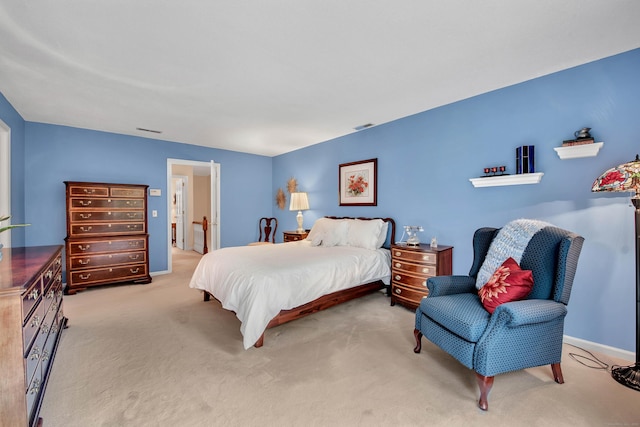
[
  {"x": 30, "y": 329},
  {"x": 411, "y": 266},
  {"x": 293, "y": 236},
  {"x": 107, "y": 240}
]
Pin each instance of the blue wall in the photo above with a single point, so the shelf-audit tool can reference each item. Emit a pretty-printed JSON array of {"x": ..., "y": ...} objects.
[
  {"x": 55, "y": 154},
  {"x": 425, "y": 162},
  {"x": 424, "y": 165}
]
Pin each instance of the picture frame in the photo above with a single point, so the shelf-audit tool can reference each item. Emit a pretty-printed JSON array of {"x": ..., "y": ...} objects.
[{"x": 358, "y": 183}]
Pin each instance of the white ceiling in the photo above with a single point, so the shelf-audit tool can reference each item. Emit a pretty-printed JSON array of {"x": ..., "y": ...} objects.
[{"x": 271, "y": 76}]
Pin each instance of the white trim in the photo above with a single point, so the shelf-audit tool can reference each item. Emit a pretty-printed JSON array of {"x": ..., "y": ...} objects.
[
  {"x": 600, "y": 348},
  {"x": 5, "y": 178},
  {"x": 518, "y": 179}
]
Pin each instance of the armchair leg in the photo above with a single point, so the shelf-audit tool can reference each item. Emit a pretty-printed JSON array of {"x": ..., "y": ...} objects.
[
  {"x": 485, "y": 384},
  {"x": 557, "y": 373},
  {"x": 418, "y": 335}
]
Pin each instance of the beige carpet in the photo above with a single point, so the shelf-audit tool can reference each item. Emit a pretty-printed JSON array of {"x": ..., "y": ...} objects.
[{"x": 157, "y": 355}]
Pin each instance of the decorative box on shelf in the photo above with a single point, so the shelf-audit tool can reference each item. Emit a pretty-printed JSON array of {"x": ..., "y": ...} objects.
[
  {"x": 517, "y": 179},
  {"x": 579, "y": 150}
]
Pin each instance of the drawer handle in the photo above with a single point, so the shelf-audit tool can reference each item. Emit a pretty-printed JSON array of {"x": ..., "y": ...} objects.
[
  {"x": 134, "y": 243},
  {"x": 425, "y": 270},
  {"x": 132, "y": 226},
  {"x": 85, "y": 202},
  {"x": 44, "y": 330},
  {"x": 424, "y": 283},
  {"x": 134, "y": 271},
  {"x": 134, "y": 257},
  {"x": 35, "y": 387},
  {"x": 54, "y": 307},
  {"x": 398, "y": 254},
  {"x": 34, "y": 294},
  {"x": 51, "y": 294},
  {"x": 85, "y": 216},
  {"x": 398, "y": 291},
  {"x": 45, "y": 356},
  {"x": 54, "y": 328},
  {"x": 48, "y": 274},
  {"x": 397, "y": 277},
  {"x": 85, "y": 276},
  {"x": 35, "y": 322},
  {"x": 398, "y": 265},
  {"x": 59, "y": 261},
  {"x": 84, "y": 247},
  {"x": 425, "y": 257},
  {"x": 35, "y": 353},
  {"x": 89, "y": 191},
  {"x": 84, "y": 261},
  {"x": 132, "y": 215},
  {"x": 85, "y": 229}
]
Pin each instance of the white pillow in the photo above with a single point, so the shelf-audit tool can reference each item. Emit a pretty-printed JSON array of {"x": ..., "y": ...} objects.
[
  {"x": 328, "y": 232},
  {"x": 383, "y": 234},
  {"x": 365, "y": 233}
]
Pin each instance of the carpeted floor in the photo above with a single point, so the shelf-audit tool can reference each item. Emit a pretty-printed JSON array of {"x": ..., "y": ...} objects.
[{"x": 157, "y": 355}]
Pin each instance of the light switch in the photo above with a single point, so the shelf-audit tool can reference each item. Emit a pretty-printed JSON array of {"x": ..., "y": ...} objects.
[
  {"x": 154, "y": 213},
  {"x": 155, "y": 192}
]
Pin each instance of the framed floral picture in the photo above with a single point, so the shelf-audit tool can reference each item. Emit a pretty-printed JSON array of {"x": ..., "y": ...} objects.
[{"x": 357, "y": 183}]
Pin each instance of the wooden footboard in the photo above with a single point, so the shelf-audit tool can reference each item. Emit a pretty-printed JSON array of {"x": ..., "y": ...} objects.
[{"x": 322, "y": 303}]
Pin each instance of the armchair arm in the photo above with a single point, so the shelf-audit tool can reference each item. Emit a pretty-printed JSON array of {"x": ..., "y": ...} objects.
[
  {"x": 527, "y": 312},
  {"x": 449, "y": 285}
]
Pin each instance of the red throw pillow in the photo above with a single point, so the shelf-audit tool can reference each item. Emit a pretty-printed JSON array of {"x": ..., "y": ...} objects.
[{"x": 508, "y": 283}]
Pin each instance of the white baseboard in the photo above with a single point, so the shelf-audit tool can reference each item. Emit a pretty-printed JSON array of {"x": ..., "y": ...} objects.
[{"x": 601, "y": 348}]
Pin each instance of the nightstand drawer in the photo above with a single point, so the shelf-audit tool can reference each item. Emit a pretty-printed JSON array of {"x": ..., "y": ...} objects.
[
  {"x": 409, "y": 280},
  {"x": 426, "y": 270},
  {"x": 429, "y": 258}
]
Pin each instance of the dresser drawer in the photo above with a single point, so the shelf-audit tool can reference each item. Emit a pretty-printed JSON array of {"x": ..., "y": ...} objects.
[
  {"x": 418, "y": 282},
  {"x": 107, "y": 216},
  {"x": 106, "y": 245},
  {"x": 93, "y": 191},
  {"x": 415, "y": 256},
  {"x": 410, "y": 295},
  {"x": 31, "y": 298},
  {"x": 108, "y": 274},
  {"x": 31, "y": 328},
  {"x": 89, "y": 229},
  {"x": 425, "y": 270},
  {"x": 92, "y": 261},
  {"x": 138, "y": 192},
  {"x": 88, "y": 203}
]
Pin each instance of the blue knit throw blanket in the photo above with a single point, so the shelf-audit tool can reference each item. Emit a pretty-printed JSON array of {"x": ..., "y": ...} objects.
[{"x": 511, "y": 241}]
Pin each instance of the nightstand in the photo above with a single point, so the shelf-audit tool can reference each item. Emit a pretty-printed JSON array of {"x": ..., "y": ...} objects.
[
  {"x": 411, "y": 266},
  {"x": 292, "y": 236}
]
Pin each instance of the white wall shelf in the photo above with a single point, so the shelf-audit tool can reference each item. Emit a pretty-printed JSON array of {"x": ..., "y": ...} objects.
[
  {"x": 577, "y": 151},
  {"x": 518, "y": 179}
]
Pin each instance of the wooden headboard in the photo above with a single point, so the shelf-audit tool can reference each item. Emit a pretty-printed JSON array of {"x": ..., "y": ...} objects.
[{"x": 391, "y": 238}]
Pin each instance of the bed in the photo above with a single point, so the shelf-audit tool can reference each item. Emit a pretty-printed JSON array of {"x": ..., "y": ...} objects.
[{"x": 268, "y": 285}]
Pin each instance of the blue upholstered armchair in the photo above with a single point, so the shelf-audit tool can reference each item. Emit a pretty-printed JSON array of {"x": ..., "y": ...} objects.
[{"x": 519, "y": 334}]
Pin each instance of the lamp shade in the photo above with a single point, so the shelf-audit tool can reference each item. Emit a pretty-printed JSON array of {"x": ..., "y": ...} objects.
[
  {"x": 623, "y": 178},
  {"x": 299, "y": 202}
]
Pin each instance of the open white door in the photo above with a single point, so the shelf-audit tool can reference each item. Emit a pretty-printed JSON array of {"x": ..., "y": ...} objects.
[
  {"x": 180, "y": 213},
  {"x": 214, "y": 221}
]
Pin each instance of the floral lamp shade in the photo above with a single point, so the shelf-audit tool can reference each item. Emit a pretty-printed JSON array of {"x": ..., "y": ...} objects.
[{"x": 624, "y": 178}]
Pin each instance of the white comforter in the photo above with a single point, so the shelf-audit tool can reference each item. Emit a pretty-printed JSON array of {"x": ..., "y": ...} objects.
[{"x": 256, "y": 282}]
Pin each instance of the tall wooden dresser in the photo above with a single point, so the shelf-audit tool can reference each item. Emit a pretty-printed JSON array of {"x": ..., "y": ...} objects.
[
  {"x": 411, "y": 266},
  {"x": 30, "y": 329},
  {"x": 107, "y": 240}
]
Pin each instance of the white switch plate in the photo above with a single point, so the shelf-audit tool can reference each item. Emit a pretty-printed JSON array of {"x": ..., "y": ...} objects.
[
  {"x": 155, "y": 192},
  {"x": 154, "y": 213}
]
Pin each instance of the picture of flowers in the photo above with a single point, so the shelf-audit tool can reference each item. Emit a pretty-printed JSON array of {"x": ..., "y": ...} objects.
[{"x": 357, "y": 183}]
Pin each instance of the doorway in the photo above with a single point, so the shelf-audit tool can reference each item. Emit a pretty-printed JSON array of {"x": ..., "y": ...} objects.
[
  {"x": 5, "y": 178},
  {"x": 193, "y": 189}
]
